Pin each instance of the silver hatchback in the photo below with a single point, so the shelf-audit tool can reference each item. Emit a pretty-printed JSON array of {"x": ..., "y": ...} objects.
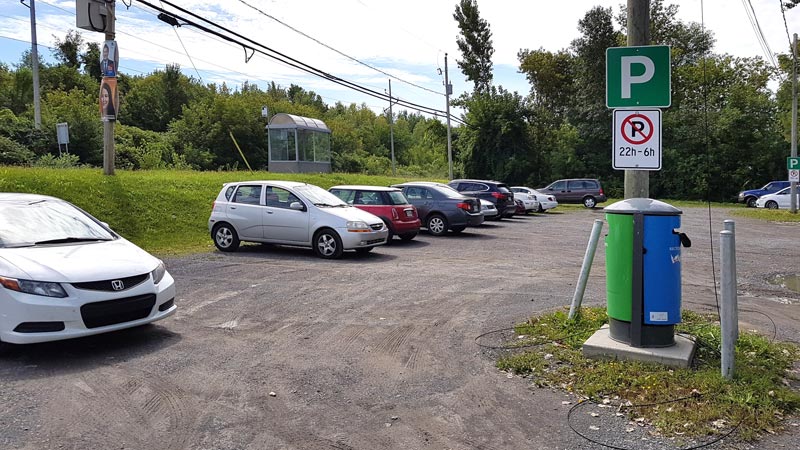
[{"x": 292, "y": 213}]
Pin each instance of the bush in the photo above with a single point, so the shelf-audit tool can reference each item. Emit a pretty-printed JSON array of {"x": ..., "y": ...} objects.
[
  {"x": 14, "y": 154},
  {"x": 65, "y": 161}
]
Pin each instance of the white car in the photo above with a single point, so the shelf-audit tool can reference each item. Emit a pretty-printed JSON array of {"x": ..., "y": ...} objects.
[
  {"x": 489, "y": 210},
  {"x": 778, "y": 200},
  {"x": 528, "y": 201},
  {"x": 292, "y": 213},
  {"x": 544, "y": 201},
  {"x": 64, "y": 274}
]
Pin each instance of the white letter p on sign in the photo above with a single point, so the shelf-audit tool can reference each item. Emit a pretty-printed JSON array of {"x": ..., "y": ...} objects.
[{"x": 628, "y": 79}]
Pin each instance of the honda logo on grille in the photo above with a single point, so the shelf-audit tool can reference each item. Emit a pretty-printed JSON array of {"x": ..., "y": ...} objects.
[{"x": 118, "y": 285}]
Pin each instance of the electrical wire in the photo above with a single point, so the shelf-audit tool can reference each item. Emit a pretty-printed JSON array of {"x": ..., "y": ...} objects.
[
  {"x": 337, "y": 51},
  {"x": 228, "y": 70},
  {"x": 274, "y": 54},
  {"x": 751, "y": 16},
  {"x": 786, "y": 27},
  {"x": 175, "y": 29},
  {"x": 708, "y": 157}
]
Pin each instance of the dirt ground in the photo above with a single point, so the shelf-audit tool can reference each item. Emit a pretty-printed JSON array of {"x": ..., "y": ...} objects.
[{"x": 273, "y": 348}]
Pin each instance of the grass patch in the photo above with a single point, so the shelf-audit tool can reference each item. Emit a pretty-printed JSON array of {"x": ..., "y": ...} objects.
[
  {"x": 163, "y": 211},
  {"x": 757, "y": 399},
  {"x": 770, "y": 215}
]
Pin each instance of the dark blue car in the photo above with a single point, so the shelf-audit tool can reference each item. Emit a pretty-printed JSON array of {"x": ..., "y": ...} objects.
[{"x": 749, "y": 197}]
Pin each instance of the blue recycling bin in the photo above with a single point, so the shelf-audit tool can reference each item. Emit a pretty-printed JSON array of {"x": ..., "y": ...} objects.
[{"x": 643, "y": 271}]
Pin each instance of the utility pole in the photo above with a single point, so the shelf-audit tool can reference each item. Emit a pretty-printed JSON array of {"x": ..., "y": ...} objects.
[
  {"x": 637, "y": 182},
  {"x": 793, "y": 184},
  {"x": 37, "y": 104},
  {"x": 391, "y": 127},
  {"x": 448, "y": 91},
  {"x": 108, "y": 125}
]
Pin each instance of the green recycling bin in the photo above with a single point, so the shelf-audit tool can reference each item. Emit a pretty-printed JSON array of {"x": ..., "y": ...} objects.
[{"x": 643, "y": 271}]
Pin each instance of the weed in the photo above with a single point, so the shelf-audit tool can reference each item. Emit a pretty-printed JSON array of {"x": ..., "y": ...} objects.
[{"x": 756, "y": 399}]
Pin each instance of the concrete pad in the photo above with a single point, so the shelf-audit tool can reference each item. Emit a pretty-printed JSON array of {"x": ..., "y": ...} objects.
[{"x": 601, "y": 346}]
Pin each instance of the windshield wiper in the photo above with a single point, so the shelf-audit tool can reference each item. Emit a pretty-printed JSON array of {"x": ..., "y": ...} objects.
[{"x": 69, "y": 240}]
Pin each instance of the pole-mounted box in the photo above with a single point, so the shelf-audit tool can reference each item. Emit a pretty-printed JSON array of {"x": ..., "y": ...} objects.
[{"x": 95, "y": 15}]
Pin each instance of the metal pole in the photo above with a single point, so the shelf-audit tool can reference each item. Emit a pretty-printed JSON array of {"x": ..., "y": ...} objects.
[
  {"x": 793, "y": 185},
  {"x": 37, "y": 104},
  {"x": 637, "y": 182},
  {"x": 728, "y": 306},
  {"x": 730, "y": 225},
  {"x": 108, "y": 125},
  {"x": 588, "y": 257},
  {"x": 448, "y": 91},
  {"x": 391, "y": 128}
]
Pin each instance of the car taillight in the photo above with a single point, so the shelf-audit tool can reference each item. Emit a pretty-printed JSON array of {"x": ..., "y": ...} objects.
[
  {"x": 499, "y": 196},
  {"x": 464, "y": 206},
  {"x": 395, "y": 216},
  {"x": 601, "y": 191}
]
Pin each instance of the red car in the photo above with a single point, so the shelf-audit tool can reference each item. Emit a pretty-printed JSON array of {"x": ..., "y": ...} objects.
[{"x": 388, "y": 203}]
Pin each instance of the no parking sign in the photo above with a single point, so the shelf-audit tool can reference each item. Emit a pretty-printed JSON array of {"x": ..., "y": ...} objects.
[{"x": 637, "y": 139}]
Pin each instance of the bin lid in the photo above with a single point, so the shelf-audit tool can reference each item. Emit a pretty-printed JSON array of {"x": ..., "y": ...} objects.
[{"x": 646, "y": 206}]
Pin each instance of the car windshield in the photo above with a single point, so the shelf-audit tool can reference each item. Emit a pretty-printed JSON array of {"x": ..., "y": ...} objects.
[
  {"x": 28, "y": 223},
  {"x": 319, "y": 196}
]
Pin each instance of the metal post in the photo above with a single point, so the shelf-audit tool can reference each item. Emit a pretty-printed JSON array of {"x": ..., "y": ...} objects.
[
  {"x": 728, "y": 306},
  {"x": 577, "y": 298},
  {"x": 448, "y": 91},
  {"x": 637, "y": 182},
  {"x": 391, "y": 128},
  {"x": 793, "y": 185},
  {"x": 730, "y": 225},
  {"x": 37, "y": 104},
  {"x": 108, "y": 125}
]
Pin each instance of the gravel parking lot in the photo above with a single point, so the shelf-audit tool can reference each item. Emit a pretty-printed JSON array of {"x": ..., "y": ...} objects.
[{"x": 273, "y": 348}]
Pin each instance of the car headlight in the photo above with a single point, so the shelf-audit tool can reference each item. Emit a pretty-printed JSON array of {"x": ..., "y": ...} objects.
[
  {"x": 357, "y": 226},
  {"x": 158, "y": 272},
  {"x": 44, "y": 288}
]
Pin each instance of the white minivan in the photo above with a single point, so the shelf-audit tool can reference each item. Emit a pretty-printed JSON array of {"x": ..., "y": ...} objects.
[{"x": 292, "y": 213}]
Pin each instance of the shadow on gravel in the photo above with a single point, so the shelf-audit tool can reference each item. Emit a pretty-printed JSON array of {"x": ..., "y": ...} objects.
[
  {"x": 50, "y": 359},
  {"x": 282, "y": 252},
  {"x": 464, "y": 235}
]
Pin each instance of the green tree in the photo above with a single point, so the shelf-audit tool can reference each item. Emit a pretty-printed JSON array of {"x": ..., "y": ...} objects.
[
  {"x": 157, "y": 99},
  {"x": 68, "y": 51},
  {"x": 497, "y": 143},
  {"x": 475, "y": 44}
]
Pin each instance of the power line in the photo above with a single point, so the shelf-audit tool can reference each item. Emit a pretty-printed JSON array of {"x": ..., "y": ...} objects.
[
  {"x": 337, "y": 51},
  {"x": 250, "y": 44},
  {"x": 281, "y": 58},
  {"x": 175, "y": 29},
  {"x": 138, "y": 38},
  {"x": 786, "y": 26},
  {"x": 751, "y": 15}
]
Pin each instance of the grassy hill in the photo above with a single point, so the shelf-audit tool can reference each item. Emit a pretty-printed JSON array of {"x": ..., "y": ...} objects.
[{"x": 165, "y": 211}]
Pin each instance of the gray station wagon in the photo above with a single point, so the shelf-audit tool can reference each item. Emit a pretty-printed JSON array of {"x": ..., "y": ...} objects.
[{"x": 577, "y": 190}]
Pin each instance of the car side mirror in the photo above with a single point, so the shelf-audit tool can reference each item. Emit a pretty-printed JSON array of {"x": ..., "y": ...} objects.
[{"x": 297, "y": 206}]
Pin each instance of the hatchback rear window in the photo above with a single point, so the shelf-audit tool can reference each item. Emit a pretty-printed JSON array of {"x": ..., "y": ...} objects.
[{"x": 397, "y": 198}]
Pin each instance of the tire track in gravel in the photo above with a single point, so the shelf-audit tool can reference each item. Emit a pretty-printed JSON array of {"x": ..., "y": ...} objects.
[{"x": 114, "y": 406}]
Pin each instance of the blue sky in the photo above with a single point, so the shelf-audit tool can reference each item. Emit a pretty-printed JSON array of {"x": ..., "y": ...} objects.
[{"x": 406, "y": 40}]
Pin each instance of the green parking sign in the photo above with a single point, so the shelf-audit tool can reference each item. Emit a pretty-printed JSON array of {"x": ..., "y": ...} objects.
[
  {"x": 793, "y": 163},
  {"x": 638, "y": 77}
]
